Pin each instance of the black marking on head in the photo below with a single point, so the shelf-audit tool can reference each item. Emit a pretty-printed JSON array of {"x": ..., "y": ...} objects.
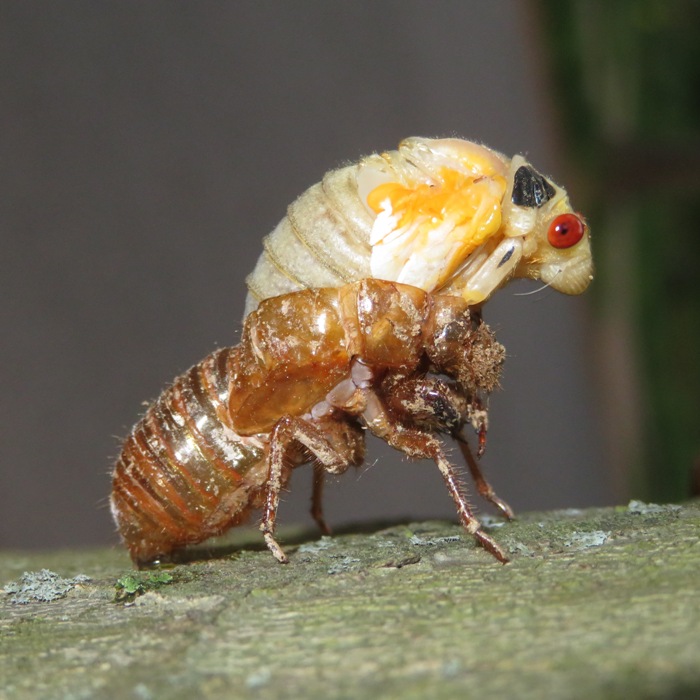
[
  {"x": 507, "y": 256},
  {"x": 530, "y": 189}
]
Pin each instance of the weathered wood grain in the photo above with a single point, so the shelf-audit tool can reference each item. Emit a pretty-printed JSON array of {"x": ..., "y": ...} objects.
[{"x": 595, "y": 604}]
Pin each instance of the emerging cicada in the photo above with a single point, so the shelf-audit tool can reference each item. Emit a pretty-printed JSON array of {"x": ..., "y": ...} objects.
[
  {"x": 313, "y": 369},
  {"x": 443, "y": 215}
]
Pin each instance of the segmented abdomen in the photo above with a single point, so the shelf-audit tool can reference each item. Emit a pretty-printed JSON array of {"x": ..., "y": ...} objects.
[
  {"x": 411, "y": 215},
  {"x": 322, "y": 242},
  {"x": 184, "y": 475}
]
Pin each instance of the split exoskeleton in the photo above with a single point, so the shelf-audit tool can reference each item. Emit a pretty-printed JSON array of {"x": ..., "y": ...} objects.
[
  {"x": 443, "y": 215},
  {"x": 312, "y": 371}
]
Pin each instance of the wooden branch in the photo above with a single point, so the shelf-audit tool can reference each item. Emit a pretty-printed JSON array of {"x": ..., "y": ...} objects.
[{"x": 596, "y": 603}]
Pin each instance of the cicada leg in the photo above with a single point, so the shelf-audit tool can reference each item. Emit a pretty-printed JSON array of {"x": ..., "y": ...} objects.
[
  {"x": 317, "y": 499},
  {"x": 421, "y": 445},
  {"x": 433, "y": 404},
  {"x": 418, "y": 444},
  {"x": 482, "y": 485},
  {"x": 334, "y": 453},
  {"x": 480, "y": 283}
]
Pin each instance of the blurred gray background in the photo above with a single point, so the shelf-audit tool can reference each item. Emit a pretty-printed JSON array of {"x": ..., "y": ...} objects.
[{"x": 146, "y": 148}]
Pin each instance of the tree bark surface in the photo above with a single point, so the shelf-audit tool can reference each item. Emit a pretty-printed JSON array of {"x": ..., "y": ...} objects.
[{"x": 600, "y": 603}]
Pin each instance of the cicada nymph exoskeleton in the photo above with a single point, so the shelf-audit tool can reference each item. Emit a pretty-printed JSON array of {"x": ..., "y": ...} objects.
[
  {"x": 313, "y": 371},
  {"x": 443, "y": 215}
]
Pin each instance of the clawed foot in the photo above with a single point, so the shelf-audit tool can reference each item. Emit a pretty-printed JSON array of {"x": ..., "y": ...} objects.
[
  {"x": 276, "y": 550},
  {"x": 317, "y": 515},
  {"x": 502, "y": 506},
  {"x": 491, "y": 546}
]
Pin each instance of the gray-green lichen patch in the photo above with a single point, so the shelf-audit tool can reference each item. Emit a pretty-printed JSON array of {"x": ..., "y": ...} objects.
[
  {"x": 422, "y": 542},
  {"x": 42, "y": 586},
  {"x": 583, "y": 540},
  {"x": 641, "y": 508},
  {"x": 325, "y": 542}
]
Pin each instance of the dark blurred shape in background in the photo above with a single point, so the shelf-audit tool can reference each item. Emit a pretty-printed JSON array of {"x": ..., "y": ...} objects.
[
  {"x": 146, "y": 148},
  {"x": 627, "y": 75}
]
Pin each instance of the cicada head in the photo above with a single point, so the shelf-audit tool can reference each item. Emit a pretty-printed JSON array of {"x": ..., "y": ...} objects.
[{"x": 556, "y": 240}]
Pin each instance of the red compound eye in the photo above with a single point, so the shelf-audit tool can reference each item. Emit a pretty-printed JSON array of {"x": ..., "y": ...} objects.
[{"x": 566, "y": 230}]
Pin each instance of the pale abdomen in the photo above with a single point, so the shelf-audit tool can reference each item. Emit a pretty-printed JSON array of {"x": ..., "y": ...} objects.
[{"x": 322, "y": 242}]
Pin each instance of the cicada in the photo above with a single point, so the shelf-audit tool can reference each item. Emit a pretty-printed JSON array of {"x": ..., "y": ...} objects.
[
  {"x": 314, "y": 371},
  {"x": 368, "y": 293},
  {"x": 443, "y": 215}
]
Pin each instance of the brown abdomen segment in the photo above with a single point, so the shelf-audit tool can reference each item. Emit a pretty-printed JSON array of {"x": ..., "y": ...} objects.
[{"x": 184, "y": 475}]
